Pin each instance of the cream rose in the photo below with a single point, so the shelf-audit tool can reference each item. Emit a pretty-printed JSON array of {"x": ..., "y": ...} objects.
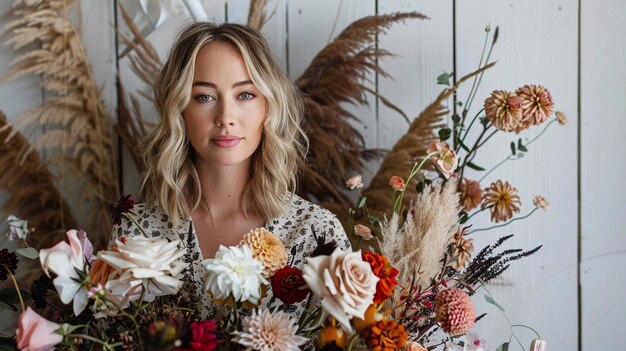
[{"x": 345, "y": 283}]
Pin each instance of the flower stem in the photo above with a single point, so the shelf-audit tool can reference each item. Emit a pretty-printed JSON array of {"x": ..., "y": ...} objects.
[
  {"x": 527, "y": 327},
  {"x": 352, "y": 341},
  {"x": 17, "y": 288},
  {"x": 503, "y": 224},
  {"x": 416, "y": 168}
]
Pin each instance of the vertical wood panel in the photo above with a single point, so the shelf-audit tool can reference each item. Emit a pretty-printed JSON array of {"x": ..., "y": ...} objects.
[
  {"x": 312, "y": 25},
  {"x": 603, "y": 242},
  {"x": 424, "y": 50},
  {"x": 538, "y": 45}
]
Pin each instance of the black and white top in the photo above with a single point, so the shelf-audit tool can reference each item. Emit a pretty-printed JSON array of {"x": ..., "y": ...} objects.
[{"x": 299, "y": 228}]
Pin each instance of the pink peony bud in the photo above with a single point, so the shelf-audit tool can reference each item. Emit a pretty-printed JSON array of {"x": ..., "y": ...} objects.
[
  {"x": 538, "y": 345},
  {"x": 363, "y": 232},
  {"x": 35, "y": 332},
  {"x": 397, "y": 183},
  {"x": 355, "y": 182}
]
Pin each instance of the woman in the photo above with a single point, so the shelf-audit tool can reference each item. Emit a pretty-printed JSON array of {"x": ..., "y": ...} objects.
[{"x": 223, "y": 159}]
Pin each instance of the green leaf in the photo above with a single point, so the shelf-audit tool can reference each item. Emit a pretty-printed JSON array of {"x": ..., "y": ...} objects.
[
  {"x": 456, "y": 118},
  {"x": 7, "y": 348},
  {"x": 475, "y": 166},
  {"x": 520, "y": 146},
  {"x": 503, "y": 347},
  {"x": 28, "y": 252},
  {"x": 9, "y": 296},
  {"x": 513, "y": 148},
  {"x": 490, "y": 300},
  {"x": 444, "y": 78},
  {"x": 484, "y": 121},
  {"x": 373, "y": 219},
  {"x": 462, "y": 144},
  {"x": 444, "y": 134},
  {"x": 420, "y": 186},
  {"x": 362, "y": 202},
  {"x": 463, "y": 217},
  {"x": 68, "y": 329},
  {"x": 459, "y": 103}
]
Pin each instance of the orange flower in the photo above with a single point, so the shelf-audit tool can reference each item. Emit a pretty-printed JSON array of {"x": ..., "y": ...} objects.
[
  {"x": 386, "y": 336},
  {"x": 471, "y": 193},
  {"x": 100, "y": 271},
  {"x": 503, "y": 110},
  {"x": 536, "y": 104},
  {"x": 371, "y": 316},
  {"x": 332, "y": 333},
  {"x": 267, "y": 248},
  {"x": 385, "y": 272},
  {"x": 503, "y": 200},
  {"x": 397, "y": 183}
]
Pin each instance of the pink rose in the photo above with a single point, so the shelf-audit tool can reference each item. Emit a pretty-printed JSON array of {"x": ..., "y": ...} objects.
[
  {"x": 345, "y": 283},
  {"x": 35, "y": 333},
  {"x": 445, "y": 159},
  {"x": 397, "y": 183},
  {"x": 363, "y": 232},
  {"x": 355, "y": 182}
]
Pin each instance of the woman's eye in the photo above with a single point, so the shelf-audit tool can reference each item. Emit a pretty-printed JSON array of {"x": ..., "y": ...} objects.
[
  {"x": 204, "y": 98},
  {"x": 247, "y": 95}
]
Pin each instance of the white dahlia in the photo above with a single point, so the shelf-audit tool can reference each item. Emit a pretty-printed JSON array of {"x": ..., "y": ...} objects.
[{"x": 235, "y": 272}]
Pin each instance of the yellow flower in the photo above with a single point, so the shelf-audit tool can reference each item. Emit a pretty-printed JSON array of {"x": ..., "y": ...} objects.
[
  {"x": 267, "y": 248},
  {"x": 503, "y": 200}
]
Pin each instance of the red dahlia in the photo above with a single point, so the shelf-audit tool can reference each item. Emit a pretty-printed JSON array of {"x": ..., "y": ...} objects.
[{"x": 289, "y": 286}]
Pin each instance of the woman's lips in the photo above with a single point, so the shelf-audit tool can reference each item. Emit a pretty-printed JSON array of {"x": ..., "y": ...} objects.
[{"x": 226, "y": 141}]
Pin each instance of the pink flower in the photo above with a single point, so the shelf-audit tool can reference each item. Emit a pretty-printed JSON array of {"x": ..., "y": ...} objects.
[
  {"x": 363, "y": 232},
  {"x": 455, "y": 311},
  {"x": 445, "y": 159},
  {"x": 203, "y": 336},
  {"x": 397, "y": 183},
  {"x": 538, "y": 345},
  {"x": 355, "y": 182},
  {"x": 65, "y": 260},
  {"x": 35, "y": 333}
]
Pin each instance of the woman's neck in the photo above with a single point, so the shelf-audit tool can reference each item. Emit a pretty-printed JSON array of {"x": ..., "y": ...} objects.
[{"x": 223, "y": 186}]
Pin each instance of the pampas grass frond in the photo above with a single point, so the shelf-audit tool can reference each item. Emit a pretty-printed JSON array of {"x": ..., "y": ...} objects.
[
  {"x": 75, "y": 118},
  {"x": 32, "y": 192},
  {"x": 417, "y": 246},
  {"x": 333, "y": 78},
  {"x": 409, "y": 149},
  {"x": 256, "y": 15}
]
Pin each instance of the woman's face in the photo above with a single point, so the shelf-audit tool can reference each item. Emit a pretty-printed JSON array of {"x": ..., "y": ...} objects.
[{"x": 224, "y": 118}]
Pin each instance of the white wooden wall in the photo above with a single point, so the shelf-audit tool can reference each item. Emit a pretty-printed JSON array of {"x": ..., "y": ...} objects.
[{"x": 576, "y": 48}]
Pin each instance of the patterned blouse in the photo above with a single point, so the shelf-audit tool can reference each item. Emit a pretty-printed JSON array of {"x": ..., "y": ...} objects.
[{"x": 299, "y": 228}]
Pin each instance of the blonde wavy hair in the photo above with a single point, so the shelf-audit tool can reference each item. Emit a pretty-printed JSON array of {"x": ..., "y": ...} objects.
[{"x": 171, "y": 181}]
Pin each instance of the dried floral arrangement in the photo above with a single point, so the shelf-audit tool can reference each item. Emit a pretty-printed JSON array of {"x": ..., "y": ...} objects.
[{"x": 439, "y": 264}]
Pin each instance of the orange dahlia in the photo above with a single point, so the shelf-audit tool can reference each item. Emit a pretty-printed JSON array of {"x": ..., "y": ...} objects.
[
  {"x": 503, "y": 109},
  {"x": 454, "y": 311},
  {"x": 332, "y": 334},
  {"x": 268, "y": 248},
  {"x": 386, "y": 335},
  {"x": 471, "y": 193},
  {"x": 536, "y": 104},
  {"x": 503, "y": 200},
  {"x": 382, "y": 268}
]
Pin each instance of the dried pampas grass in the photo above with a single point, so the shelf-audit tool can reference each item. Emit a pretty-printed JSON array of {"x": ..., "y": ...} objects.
[
  {"x": 256, "y": 15},
  {"x": 335, "y": 77},
  {"x": 417, "y": 246},
  {"x": 74, "y": 118},
  {"x": 32, "y": 193},
  {"x": 409, "y": 149}
]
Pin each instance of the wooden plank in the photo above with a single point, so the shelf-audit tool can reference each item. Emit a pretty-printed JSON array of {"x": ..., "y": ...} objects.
[
  {"x": 314, "y": 24},
  {"x": 537, "y": 45},
  {"x": 603, "y": 241}
]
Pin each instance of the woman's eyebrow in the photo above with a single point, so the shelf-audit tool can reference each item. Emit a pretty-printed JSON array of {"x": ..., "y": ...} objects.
[{"x": 212, "y": 85}]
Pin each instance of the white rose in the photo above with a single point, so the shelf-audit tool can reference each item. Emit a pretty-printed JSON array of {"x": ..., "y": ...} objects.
[
  {"x": 234, "y": 271},
  {"x": 345, "y": 283},
  {"x": 145, "y": 262}
]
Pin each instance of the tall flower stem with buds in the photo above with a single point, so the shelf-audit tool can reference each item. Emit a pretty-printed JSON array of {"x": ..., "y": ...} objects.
[{"x": 398, "y": 203}]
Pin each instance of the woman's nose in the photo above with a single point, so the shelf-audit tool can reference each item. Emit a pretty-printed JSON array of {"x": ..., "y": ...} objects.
[{"x": 225, "y": 116}]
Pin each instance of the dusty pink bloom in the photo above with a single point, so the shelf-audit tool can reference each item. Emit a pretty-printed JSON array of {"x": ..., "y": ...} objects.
[
  {"x": 397, "y": 183},
  {"x": 269, "y": 331},
  {"x": 413, "y": 346},
  {"x": 537, "y": 104},
  {"x": 454, "y": 311},
  {"x": 561, "y": 117},
  {"x": 35, "y": 333},
  {"x": 503, "y": 200},
  {"x": 471, "y": 193},
  {"x": 446, "y": 159},
  {"x": 541, "y": 202},
  {"x": 538, "y": 345},
  {"x": 503, "y": 109},
  {"x": 363, "y": 232},
  {"x": 355, "y": 182}
]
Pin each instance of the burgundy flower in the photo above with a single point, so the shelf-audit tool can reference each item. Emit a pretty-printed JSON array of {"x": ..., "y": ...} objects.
[
  {"x": 203, "y": 337},
  {"x": 289, "y": 286},
  {"x": 8, "y": 260},
  {"x": 124, "y": 205},
  {"x": 324, "y": 249}
]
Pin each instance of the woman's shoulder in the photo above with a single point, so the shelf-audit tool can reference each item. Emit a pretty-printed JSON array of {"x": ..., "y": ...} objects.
[{"x": 142, "y": 220}]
